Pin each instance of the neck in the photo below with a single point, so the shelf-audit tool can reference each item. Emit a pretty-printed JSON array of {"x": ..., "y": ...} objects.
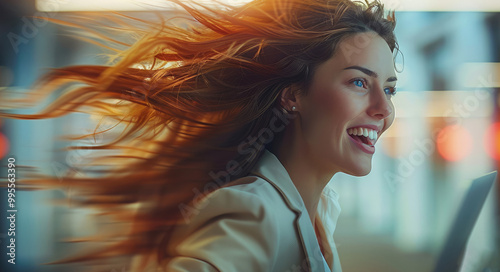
[{"x": 307, "y": 177}]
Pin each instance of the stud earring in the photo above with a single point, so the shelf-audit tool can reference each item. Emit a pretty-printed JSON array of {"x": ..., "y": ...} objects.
[{"x": 293, "y": 108}]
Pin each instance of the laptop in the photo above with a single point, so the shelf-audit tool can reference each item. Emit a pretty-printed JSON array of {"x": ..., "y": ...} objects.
[{"x": 451, "y": 256}]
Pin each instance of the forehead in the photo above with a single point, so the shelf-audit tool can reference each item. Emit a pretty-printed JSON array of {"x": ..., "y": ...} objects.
[{"x": 365, "y": 49}]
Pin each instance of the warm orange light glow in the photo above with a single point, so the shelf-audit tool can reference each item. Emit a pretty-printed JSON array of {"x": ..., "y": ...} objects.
[
  {"x": 454, "y": 143},
  {"x": 398, "y": 5},
  {"x": 121, "y": 5},
  {"x": 492, "y": 141},
  {"x": 4, "y": 145},
  {"x": 394, "y": 141}
]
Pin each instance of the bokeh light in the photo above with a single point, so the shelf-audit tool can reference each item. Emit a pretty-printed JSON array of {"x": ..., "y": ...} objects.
[
  {"x": 392, "y": 143},
  {"x": 4, "y": 145},
  {"x": 454, "y": 143},
  {"x": 492, "y": 141}
]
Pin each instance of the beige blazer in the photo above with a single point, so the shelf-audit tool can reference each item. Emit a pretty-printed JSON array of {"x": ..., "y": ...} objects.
[{"x": 257, "y": 224}]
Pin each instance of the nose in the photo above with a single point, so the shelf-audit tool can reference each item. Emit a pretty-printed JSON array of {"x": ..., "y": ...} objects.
[{"x": 380, "y": 104}]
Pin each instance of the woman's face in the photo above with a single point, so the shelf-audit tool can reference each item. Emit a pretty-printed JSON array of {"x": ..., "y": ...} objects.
[{"x": 349, "y": 99}]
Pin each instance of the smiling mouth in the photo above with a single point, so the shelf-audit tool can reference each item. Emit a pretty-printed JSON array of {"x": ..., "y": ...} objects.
[{"x": 363, "y": 135}]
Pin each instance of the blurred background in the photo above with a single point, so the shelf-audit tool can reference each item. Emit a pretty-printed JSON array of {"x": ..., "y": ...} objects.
[{"x": 446, "y": 133}]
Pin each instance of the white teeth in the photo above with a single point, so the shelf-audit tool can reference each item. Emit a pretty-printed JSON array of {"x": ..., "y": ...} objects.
[{"x": 366, "y": 132}]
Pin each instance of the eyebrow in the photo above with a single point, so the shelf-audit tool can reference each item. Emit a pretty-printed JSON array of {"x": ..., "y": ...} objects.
[{"x": 370, "y": 72}]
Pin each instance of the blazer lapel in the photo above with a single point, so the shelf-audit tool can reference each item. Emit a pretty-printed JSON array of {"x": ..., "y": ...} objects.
[{"x": 271, "y": 169}]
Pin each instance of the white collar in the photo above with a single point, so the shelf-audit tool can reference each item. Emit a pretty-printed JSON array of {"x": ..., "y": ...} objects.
[{"x": 270, "y": 168}]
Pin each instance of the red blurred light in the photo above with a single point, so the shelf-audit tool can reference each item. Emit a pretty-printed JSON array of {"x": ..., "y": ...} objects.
[
  {"x": 4, "y": 145},
  {"x": 454, "y": 143},
  {"x": 492, "y": 141}
]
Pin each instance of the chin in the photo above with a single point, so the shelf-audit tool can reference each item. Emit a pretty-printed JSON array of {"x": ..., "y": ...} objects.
[{"x": 359, "y": 171}]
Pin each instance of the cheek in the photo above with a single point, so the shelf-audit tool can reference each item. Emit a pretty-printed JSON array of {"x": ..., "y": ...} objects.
[
  {"x": 330, "y": 112},
  {"x": 326, "y": 102},
  {"x": 337, "y": 106}
]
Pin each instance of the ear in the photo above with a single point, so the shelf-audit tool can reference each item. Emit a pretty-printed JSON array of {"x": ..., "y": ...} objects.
[{"x": 289, "y": 97}]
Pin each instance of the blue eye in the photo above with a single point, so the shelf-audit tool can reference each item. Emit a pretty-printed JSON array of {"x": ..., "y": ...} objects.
[
  {"x": 359, "y": 82},
  {"x": 390, "y": 91}
]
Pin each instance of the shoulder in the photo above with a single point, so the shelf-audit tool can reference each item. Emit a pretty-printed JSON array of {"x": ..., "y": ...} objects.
[
  {"x": 249, "y": 195},
  {"x": 236, "y": 222}
]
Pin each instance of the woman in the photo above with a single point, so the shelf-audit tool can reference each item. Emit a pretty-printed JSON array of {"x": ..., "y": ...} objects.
[{"x": 233, "y": 132}]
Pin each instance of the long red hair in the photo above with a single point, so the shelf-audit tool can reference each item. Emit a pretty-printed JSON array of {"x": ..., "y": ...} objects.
[{"x": 203, "y": 93}]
